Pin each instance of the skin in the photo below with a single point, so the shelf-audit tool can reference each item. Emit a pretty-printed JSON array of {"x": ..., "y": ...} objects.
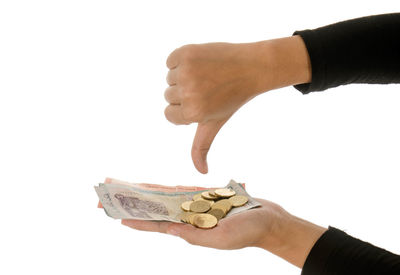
[
  {"x": 208, "y": 83},
  {"x": 268, "y": 227}
]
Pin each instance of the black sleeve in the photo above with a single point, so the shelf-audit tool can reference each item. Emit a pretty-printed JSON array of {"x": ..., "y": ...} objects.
[
  {"x": 362, "y": 50},
  {"x": 336, "y": 253}
]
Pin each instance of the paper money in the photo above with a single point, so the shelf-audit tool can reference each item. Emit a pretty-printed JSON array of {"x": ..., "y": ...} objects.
[{"x": 123, "y": 200}]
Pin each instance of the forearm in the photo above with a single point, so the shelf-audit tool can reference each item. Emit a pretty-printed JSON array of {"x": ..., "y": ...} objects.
[
  {"x": 319, "y": 250},
  {"x": 279, "y": 63},
  {"x": 361, "y": 50},
  {"x": 292, "y": 238}
]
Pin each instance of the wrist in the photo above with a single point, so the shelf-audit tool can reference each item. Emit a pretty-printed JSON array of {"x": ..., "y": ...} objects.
[
  {"x": 285, "y": 62},
  {"x": 292, "y": 238}
]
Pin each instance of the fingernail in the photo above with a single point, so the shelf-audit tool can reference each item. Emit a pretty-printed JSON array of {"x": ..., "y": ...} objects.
[
  {"x": 203, "y": 167},
  {"x": 173, "y": 231}
]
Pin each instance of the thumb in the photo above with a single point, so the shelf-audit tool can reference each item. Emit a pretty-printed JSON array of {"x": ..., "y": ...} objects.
[
  {"x": 205, "y": 135},
  {"x": 191, "y": 234}
]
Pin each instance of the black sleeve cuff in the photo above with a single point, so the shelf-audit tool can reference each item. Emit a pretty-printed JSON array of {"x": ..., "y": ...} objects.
[
  {"x": 318, "y": 64},
  {"x": 336, "y": 253}
]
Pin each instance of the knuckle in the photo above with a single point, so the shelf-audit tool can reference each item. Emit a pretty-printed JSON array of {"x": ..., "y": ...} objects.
[
  {"x": 168, "y": 62},
  {"x": 191, "y": 114},
  {"x": 170, "y": 77},
  {"x": 172, "y": 58},
  {"x": 166, "y": 97},
  {"x": 189, "y": 52},
  {"x": 191, "y": 94},
  {"x": 185, "y": 76},
  {"x": 167, "y": 114}
]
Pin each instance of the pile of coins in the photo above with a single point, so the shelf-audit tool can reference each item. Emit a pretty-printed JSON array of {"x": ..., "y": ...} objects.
[{"x": 208, "y": 207}]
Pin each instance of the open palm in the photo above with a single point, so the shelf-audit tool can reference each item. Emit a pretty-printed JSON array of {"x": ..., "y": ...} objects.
[{"x": 248, "y": 228}]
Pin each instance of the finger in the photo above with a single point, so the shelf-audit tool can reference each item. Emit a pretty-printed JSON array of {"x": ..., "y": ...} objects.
[
  {"x": 173, "y": 59},
  {"x": 172, "y": 77},
  {"x": 172, "y": 95},
  {"x": 152, "y": 226},
  {"x": 173, "y": 113},
  {"x": 203, "y": 138},
  {"x": 195, "y": 236}
]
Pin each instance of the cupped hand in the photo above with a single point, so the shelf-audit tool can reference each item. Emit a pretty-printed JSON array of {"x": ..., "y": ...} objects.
[
  {"x": 268, "y": 227},
  {"x": 255, "y": 227}
]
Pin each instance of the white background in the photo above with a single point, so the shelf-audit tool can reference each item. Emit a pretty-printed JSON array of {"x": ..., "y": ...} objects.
[{"x": 81, "y": 98}]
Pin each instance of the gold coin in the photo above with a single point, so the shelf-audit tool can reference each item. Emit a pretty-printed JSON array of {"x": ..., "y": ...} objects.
[
  {"x": 197, "y": 196},
  {"x": 205, "y": 221},
  {"x": 212, "y": 193},
  {"x": 190, "y": 218},
  {"x": 206, "y": 195},
  {"x": 223, "y": 209},
  {"x": 184, "y": 216},
  {"x": 225, "y": 192},
  {"x": 238, "y": 200},
  {"x": 211, "y": 202},
  {"x": 200, "y": 206},
  {"x": 217, "y": 212},
  {"x": 223, "y": 204},
  {"x": 202, "y": 199},
  {"x": 186, "y": 205}
]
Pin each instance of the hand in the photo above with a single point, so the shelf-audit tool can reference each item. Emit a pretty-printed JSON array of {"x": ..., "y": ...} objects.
[
  {"x": 208, "y": 83},
  {"x": 269, "y": 227},
  {"x": 248, "y": 228}
]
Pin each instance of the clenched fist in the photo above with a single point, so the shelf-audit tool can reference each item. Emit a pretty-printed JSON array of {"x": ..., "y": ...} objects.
[{"x": 208, "y": 83}]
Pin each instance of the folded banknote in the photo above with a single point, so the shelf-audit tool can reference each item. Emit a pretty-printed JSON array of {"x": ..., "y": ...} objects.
[{"x": 123, "y": 200}]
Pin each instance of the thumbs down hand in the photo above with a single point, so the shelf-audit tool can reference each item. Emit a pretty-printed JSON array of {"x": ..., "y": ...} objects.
[{"x": 208, "y": 83}]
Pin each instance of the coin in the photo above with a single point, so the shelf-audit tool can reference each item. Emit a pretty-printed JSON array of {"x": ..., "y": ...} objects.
[
  {"x": 238, "y": 200},
  {"x": 225, "y": 192},
  {"x": 223, "y": 204},
  {"x": 205, "y": 221},
  {"x": 217, "y": 212},
  {"x": 183, "y": 216},
  {"x": 186, "y": 205},
  {"x": 200, "y": 206},
  {"x": 197, "y": 196},
  {"x": 212, "y": 193},
  {"x": 206, "y": 195},
  {"x": 203, "y": 199},
  {"x": 190, "y": 217}
]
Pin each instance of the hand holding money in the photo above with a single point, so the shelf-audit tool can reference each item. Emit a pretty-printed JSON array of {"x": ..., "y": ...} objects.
[
  {"x": 254, "y": 227},
  {"x": 258, "y": 223},
  {"x": 268, "y": 227}
]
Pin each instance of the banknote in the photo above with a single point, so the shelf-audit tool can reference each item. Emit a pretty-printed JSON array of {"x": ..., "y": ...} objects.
[{"x": 123, "y": 200}]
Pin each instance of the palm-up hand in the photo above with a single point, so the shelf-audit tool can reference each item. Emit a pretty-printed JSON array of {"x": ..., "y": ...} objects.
[
  {"x": 254, "y": 227},
  {"x": 269, "y": 227}
]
